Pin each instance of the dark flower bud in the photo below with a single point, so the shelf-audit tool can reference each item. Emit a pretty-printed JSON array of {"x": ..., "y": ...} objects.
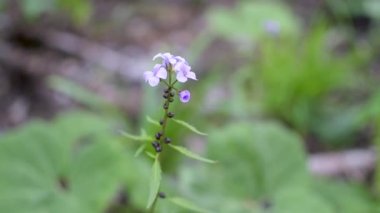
[
  {"x": 155, "y": 144},
  {"x": 158, "y": 148},
  {"x": 172, "y": 94},
  {"x": 162, "y": 195},
  {"x": 165, "y": 95},
  {"x": 166, "y": 105},
  {"x": 171, "y": 99},
  {"x": 161, "y": 122},
  {"x": 170, "y": 114},
  {"x": 167, "y": 140},
  {"x": 158, "y": 135}
]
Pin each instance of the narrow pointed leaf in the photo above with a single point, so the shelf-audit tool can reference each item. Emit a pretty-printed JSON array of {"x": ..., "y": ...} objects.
[
  {"x": 190, "y": 154},
  {"x": 152, "y": 121},
  {"x": 154, "y": 182},
  {"x": 140, "y": 150},
  {"x": 150, "y": 155},
  {"x": 189, "y": 126},
  {"x": 187, "y": 205},
  {"x": 137, "y": 137}
]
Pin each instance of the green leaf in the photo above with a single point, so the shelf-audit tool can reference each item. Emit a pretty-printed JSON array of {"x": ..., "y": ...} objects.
[
  {"x": 190, "y": 154},
  {"x": 154, "y": 182},
  {"x": 150, "y": 155},
  {"x": 140, "y": 150},
  {"x": 187, "y": 205},
  {"x": 152, "y": 121},
  {"x": 189, "y": 126},
  {"x": 60, "y": 167},
  {"x": 136, "y": 137}
]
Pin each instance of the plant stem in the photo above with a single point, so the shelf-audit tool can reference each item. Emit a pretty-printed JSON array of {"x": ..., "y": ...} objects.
[{"x": 163, "y": 128}]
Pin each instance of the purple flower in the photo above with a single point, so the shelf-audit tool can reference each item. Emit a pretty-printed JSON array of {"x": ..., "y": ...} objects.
[
  {"x": 272, "y": 27},
  {"x": 169, "y": 59},
  {"x": 184, "y": 72},
  {"x": 153, "y": 77},
  {"x": 184, "y": 96}
]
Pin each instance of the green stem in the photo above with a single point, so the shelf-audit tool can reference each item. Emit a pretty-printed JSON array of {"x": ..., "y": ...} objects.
[{"x": 163, "y": 129}]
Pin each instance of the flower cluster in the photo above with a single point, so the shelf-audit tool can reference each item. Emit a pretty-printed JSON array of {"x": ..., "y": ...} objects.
[
  {"x": 172, "y": 69},
  {"x": 171, "y": 65}
]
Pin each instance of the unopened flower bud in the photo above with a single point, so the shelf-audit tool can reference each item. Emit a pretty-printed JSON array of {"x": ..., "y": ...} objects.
[
  {"x": 170, "y": 114},
  {"x": 167, "y": 140},
  {"x": 158, "y": 135},
  {"x": 162, "y": 195}
]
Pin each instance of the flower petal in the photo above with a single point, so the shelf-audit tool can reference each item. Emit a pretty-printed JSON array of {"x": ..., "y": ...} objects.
[
  {"x": 159, "y": 55},
  {"x": 184, "y": 96},
  {"x": 191, "y": 75},
  {"x": 181, "y": 77},
  {"x": 162, "y": 73},
  {"x": 147, "y": 75},
  {"x": 153, "y": 81}
]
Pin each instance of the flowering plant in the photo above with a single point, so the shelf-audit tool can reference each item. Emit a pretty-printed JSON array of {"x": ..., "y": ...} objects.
[{"x": 172, "y": 70}]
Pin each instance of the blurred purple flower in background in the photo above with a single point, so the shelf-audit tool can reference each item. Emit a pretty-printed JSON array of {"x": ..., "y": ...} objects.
[
  {"x": 272, "y": 27},
  {"x": 153, "y": 77},
  {"x": 184, "y": 96}
]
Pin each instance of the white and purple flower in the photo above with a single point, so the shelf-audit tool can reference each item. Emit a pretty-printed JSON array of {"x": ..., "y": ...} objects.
[
  {"x": 184, "y": 96},
  {"x": 169, "y": 63},
  {"x": 153, "y": 77},
  {"x": 184, "y": 72}
]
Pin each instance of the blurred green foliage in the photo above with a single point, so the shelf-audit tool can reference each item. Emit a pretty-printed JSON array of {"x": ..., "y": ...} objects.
[
  {"x": 295, "y": 79},
  {"x": 78, "y": 10},
  {"x": 349, "y": 8},
  {"x": 263, "y": 169},
  {"x": 70, "y": 166},
  {"x": 248, "y": 19}
]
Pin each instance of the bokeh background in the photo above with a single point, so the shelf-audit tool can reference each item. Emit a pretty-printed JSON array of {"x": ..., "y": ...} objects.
[{"x": 288, "y": 92}]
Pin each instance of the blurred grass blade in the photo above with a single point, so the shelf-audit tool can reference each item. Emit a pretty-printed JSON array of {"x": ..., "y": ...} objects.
[
  {"x": 187, "y": 205},
  {"x": 136, "y": 137},
  {"x": 190, "y": 154},
  {"x": 189, "y": 126},
  {"x": 78, "y": 93},
  {"x": 154, "y": 182},
  {"x": 152, "y": 121},
  {"x": 140, "y": 150}
]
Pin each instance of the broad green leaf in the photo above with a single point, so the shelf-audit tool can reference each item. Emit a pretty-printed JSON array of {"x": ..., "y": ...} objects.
[
  {"x": 152, "y": 121},
  {"x": 140, "y": 150},
  {"x": 154, "y": 182},
  {"x": 60, "y": 167},
  {"x": 190, "y": 154},
  {"x": 187, "y": 205},
  {"x": 346, "y": 196},
  {"x": 189, "y": 126},
  {"x": 137, "y": 137}
]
